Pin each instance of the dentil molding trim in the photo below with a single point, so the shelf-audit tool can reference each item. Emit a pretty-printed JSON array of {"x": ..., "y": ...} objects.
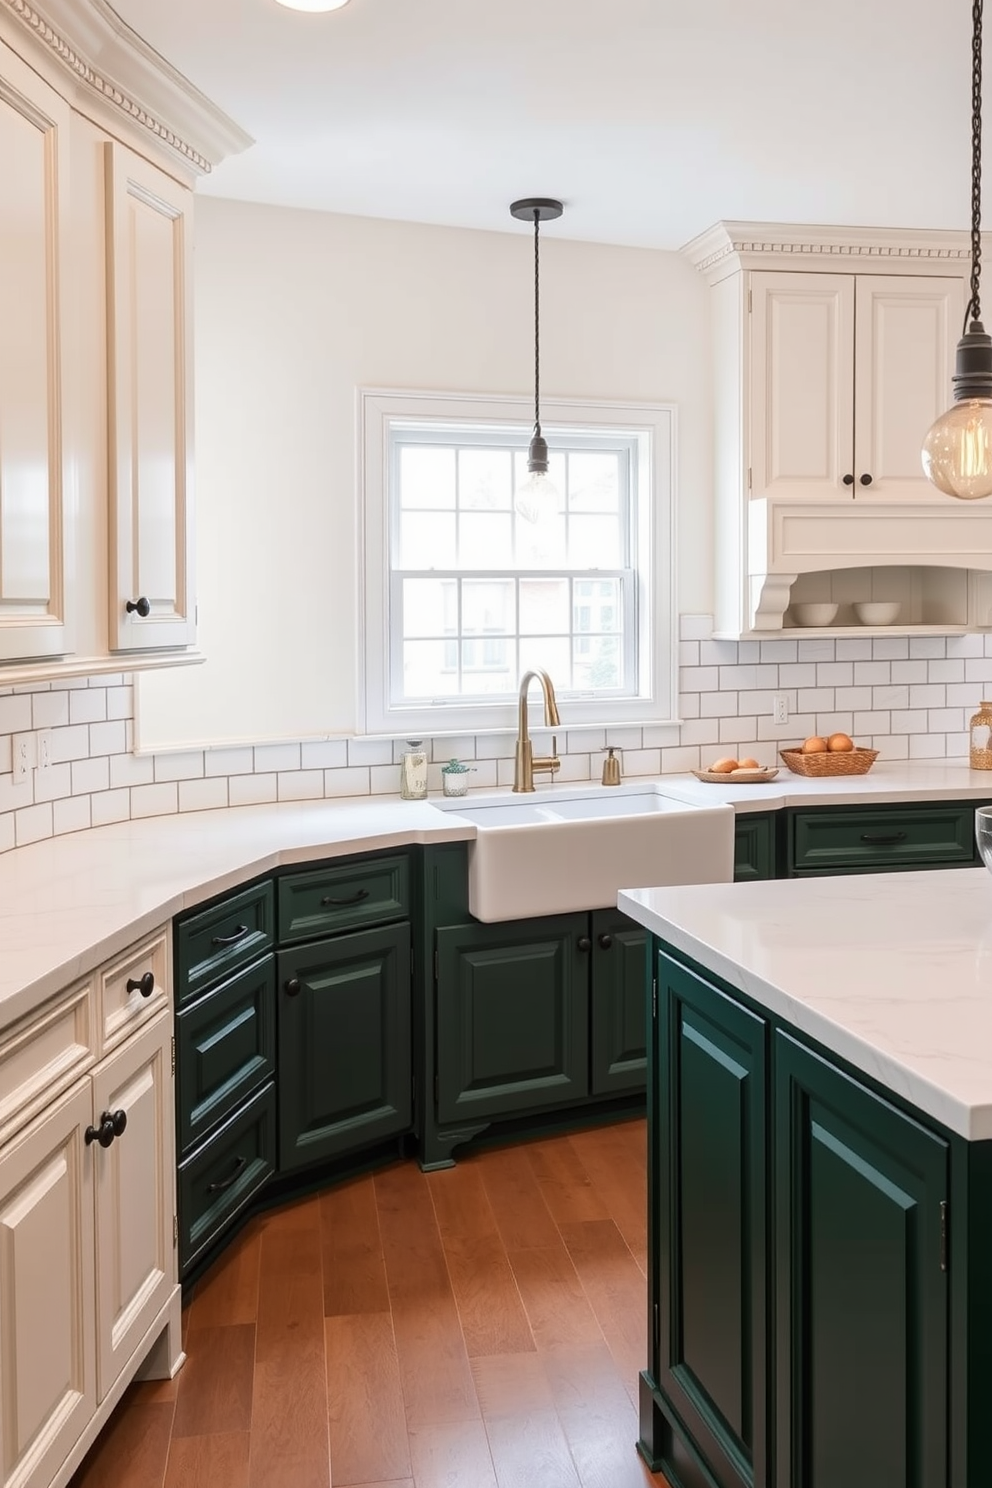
[
  {"x": 103, "y": 54},
  {"x": 728, "y": 246}
]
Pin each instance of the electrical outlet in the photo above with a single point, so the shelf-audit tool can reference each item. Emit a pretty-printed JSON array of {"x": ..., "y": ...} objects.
[
  {"x": 44, "y": 750},
  {"x": 22, "y": 757},
  {"x": 780, "y": 707}
]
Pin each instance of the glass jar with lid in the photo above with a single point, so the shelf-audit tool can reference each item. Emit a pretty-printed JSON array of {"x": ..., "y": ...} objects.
[{"x": 981, "y": 738}]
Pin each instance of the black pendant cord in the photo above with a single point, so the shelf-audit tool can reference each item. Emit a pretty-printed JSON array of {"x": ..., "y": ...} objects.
[
  {"x": 974, "y": 309},
  {"x": 537, "y": 316}
]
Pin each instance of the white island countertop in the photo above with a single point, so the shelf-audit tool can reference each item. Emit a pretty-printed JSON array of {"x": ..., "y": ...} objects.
[{"x": 892, "y": 971}]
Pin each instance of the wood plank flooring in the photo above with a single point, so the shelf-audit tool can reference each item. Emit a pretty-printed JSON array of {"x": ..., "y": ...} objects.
[{"x": 481, "y": 1327}]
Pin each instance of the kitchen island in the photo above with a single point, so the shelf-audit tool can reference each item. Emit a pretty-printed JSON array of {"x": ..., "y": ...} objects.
[{"x": 820, "y": 1182}]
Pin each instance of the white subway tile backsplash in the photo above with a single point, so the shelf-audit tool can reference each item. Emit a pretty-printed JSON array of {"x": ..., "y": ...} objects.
[{"x": 906, "y": 696}]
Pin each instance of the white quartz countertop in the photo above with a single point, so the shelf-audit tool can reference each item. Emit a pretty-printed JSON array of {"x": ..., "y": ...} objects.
[
  {"x": 891, "y": 971},
  {"x": 886, "y": 781},
  {"x": 68, "y": 903}
]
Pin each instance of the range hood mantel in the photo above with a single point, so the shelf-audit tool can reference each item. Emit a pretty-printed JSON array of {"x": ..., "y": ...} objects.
[{"x": 788, "y": 538}]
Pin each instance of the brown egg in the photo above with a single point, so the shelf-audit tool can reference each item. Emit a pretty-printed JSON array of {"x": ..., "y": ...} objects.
[
  {"x": 814, "y": 745},
  {"x": 748, "y": 764},
  {"x": 723, "y": 766},
  {"x": 840, "y": 743}
]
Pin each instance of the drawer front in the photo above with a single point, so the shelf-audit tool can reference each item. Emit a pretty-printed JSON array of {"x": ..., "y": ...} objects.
[
  {"x": 342, "y": 897},
  {"x": 216, "y": 1182},
  {"x": 134, "y": 988},
  {"x": 872, "y": 841},
  {"x": 225, "y": 1047},
  {"x": 41, "y": 1055},
  {"x": 214, "y": 943}
]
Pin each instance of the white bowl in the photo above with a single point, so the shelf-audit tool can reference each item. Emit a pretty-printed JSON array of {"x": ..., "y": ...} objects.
[
  {"x": 813, "y": 614},
  {"x": 879, "y": 612}
]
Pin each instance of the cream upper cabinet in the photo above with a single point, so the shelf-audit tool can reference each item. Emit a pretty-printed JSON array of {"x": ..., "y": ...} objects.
[
  {"x": 149, "y": 282},
  {"x": 847, "y": 372},
  {"x": 34, "y": 148}
]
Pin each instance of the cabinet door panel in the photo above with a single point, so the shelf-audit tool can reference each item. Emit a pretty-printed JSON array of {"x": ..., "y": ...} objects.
[
  {"x": 135, "y": 1184},
  {"x": 34, "y": 146},
  {"x": 618, "y": 1054},
  {"x": 710, "y": 1181},
  {"x": 343, "y": 1044},
  {"x": 861, "y": 1305},
  {"x": 512, "y": 1016},
  {"x": 802, "y": 402},
  {"x": 907, "y": 330},
  {"x": 47, "y": 1362},
  {"x": 149, "y": 250}
]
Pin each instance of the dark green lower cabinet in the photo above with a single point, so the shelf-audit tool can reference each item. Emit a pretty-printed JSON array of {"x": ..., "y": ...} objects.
[
  {"x": 708, "y": 1240},
  {"x": 618, "y": 993},
  {"x": 344, "y": 1060},
  {"x": 861, "y": 1347},
  {"x": 217, "y": 1180},
  {"x": 225, "y": 1047},
  {"x": 512, "y": 1016},
  {"x": 754, "y": 846}
]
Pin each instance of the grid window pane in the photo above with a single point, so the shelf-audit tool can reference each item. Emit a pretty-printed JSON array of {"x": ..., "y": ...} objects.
[
  {"x": 488, "y": 607},
  {"x": 430, "y": 669},
  {"x": 427, "y": 477},
  {"x": 485, "y": 479},
  {"x": 593, "y": 482},
  {"x": 599, "y": 664},
  {"x": 593, "y": 542},
  {"x": 545, "y": 606},
  {"x": 429, "y": 607},
  {"x": 427, "y": 540},
  {"x": 553, "y": 653},
  {"x": 485, "y": 540}
]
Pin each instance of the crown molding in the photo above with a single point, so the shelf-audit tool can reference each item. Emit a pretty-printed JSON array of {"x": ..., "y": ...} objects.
[
  {"x": 729, "y": 246},
  {"x": 109, "y": 61}
]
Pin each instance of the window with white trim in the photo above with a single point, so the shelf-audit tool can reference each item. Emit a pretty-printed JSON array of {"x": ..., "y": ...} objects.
[{"x": 463, "y": 593}]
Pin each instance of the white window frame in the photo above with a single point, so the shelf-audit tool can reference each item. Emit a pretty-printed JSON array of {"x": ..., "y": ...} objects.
[{"x": 654, "y": 560}]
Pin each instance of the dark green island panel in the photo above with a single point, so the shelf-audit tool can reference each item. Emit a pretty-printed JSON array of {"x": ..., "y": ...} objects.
[
  {"x": 819, "y": 1290},
  {"x": 755, "y": 853}
]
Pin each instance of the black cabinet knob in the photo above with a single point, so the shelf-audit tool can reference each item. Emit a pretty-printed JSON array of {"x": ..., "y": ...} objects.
[
  {"x": 849, "y": 480},
  {"x": 118, "y": 1120},
  {"x": 584, "y": 943},
  {"x": 144, "y": 984},
  {"x": 605, "y": 942},
  {"x": 104, "y": 1133},
  {"x": 292, "y": 987},
  {"x": 139, "y": 606},
  {"x": 866, "y": 479}
]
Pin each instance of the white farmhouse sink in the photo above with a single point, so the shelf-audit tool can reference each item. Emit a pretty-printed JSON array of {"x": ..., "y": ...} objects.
[{"x": 574, "y": 848}]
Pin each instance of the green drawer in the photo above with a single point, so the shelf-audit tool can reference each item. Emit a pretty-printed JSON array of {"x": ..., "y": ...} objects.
[
  {"x": 343, "y": 896},
  {"x": 216, "y": 1182},
  {"x": 225, "y": 1047},
  {"x": 754, "y": 846},
  {"x": 872, "y": 841},
  {"x": 214, "y": 942}
]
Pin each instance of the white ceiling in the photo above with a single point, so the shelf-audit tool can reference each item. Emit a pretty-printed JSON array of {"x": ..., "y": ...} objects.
[{"x": 650, "y": 119}]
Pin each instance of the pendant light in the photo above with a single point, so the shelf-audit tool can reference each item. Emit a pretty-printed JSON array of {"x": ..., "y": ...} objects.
[
  {"x": 537, "y": 497},
  {"x": 957, "y": 452}
]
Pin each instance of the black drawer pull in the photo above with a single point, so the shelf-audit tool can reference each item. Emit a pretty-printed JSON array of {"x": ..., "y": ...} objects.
[
  {"x": 145, "y": 985},
  {"x": 239, "y": 1163},
  {"x": 883, "y": 841},
  {"x": 139, "y": 607},
  {"x": 606, "y": 942},
  {"x": 232, "y": 939},
  {"x": 342, "y": 903}
]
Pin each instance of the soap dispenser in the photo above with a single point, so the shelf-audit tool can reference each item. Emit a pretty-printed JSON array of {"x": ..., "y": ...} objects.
[
  {"x": 611, "y": 766},
  {"x": 413, "y": 771}
]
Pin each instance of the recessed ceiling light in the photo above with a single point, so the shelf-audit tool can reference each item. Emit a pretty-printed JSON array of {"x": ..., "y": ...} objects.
[{"x": 312, "y": 5}]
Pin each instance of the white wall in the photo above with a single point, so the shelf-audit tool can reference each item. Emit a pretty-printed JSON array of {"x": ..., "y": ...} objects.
[{"x": 294, "y": 311}]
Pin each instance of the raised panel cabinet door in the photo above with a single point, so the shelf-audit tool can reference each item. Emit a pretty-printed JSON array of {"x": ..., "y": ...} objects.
[
  {"x": 710, "y": 1184},
  {"x": 619, "y": 993},
  {"x": 907, "y": 331},
  {"x": 47, "y": 1350},
  {"x": 861, "y": 1296},
  {"x": 34, "y": 536},
  {"x": 149, "y": 289},
  {"x": 512, "y": 1016},
  {"x": 134, "y": 1178},
  {"x": 343, "y": 1036},
  {"x": 801, "y": 416}
]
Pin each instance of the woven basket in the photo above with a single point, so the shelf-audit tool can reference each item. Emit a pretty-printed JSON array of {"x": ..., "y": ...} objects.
[{"x": 834, "y": 762}]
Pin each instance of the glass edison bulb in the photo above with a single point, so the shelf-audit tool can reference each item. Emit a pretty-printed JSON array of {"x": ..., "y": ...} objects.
[
  {"x": 957, "y": 452},
  {"x": 536, "y": 498}
]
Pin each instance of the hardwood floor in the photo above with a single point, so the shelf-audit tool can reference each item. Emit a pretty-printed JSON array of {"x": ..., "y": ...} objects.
[{"x": 481, "y": 1327}]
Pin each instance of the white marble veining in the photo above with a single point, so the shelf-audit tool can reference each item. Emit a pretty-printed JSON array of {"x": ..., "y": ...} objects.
[{"x": 891, "y": 971}]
